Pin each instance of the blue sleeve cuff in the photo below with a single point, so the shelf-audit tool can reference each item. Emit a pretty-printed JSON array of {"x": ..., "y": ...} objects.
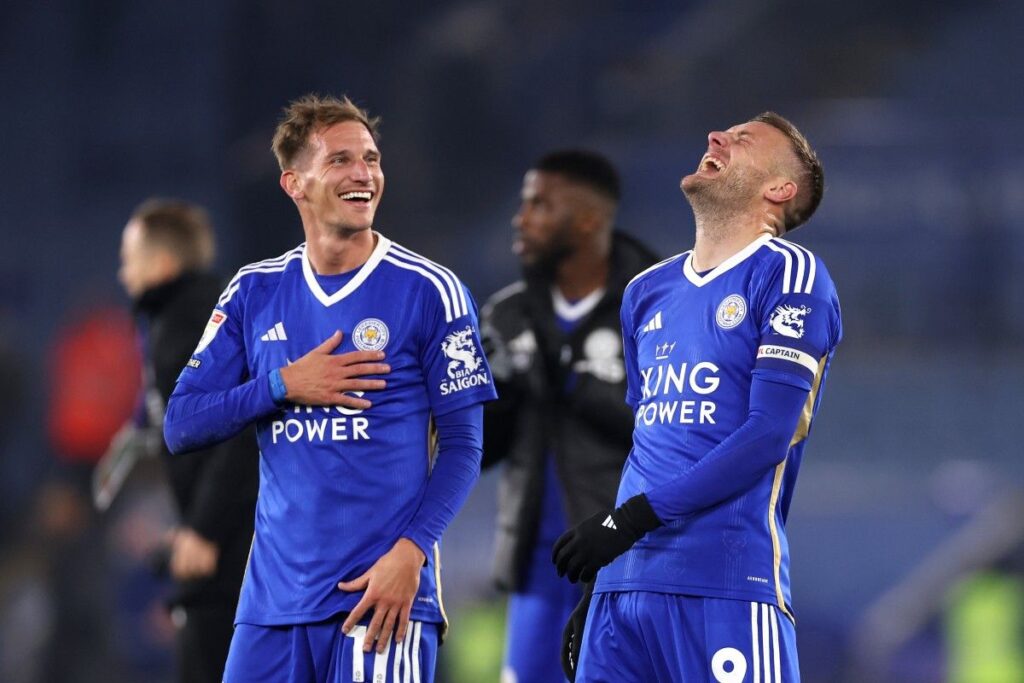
[{"x": 278, "y": 390}]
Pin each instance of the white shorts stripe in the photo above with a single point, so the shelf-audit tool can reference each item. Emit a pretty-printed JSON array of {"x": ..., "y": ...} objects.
[
  {"x": 458, "y": 292},
  {"x": 380, "y": 664},
  {"x": 754, "y": 647},
  {"x": 786, "y": 274},
  {"x": 440, "y": 288},
  {"x": 358, "y": 636},
  {"x": 776, "y": 659},
  {"x": 416, "y": 652},
  {"x": 765, "y": 654},
  {"x": 396, "y": 669},
  {"x": 407, "y": 670}
]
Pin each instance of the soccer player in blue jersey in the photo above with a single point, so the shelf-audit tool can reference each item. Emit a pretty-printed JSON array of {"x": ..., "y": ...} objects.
[
  {"x": 727, "y": 347},
  {"x": 343, "y": 580}
]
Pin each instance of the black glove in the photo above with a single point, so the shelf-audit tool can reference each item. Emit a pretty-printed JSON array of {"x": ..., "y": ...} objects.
[
  {"x": 595, "y": 542},
  {"x": 572, "y": 634}
]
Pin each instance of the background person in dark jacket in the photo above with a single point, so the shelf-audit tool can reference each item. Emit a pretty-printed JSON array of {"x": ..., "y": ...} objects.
[
  {"x": 561, "y": 423},
  {"x": 166, "y": 251}
]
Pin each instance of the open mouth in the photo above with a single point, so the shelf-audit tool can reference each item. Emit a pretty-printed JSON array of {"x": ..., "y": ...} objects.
[
  {"x": 710, "y": 165},
  {"x": 357, "y": 197}
]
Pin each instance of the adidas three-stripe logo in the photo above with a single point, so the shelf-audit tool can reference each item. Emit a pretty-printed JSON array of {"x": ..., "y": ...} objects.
[
  {"x": 609, "y": 523},
  {"x": 653, "y": 324},
  {"x": 275, "y": 333}
]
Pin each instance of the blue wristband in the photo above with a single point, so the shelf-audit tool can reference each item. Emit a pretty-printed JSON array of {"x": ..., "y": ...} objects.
[{"x": 278, "y": 390}]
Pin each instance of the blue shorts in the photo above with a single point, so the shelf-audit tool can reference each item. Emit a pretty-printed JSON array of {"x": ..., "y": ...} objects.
[
  {"x": 321, "y": 653},
  {"x": 536, "y": 616},
  {"x": 638, "y": 637}
]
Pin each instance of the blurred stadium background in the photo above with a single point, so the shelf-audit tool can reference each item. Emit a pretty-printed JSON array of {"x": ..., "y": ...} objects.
[{"x": 905, "y": 526}]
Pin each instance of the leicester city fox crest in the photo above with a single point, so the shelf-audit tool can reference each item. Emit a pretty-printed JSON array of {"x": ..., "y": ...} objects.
[{"x": 789, "y": 320}]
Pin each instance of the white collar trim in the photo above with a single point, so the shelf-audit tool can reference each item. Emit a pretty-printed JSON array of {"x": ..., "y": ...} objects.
[
  {"x": 383, "y": 244},
  {"x": 725, "y": 266},
  {"x": 574, "y": 311}
]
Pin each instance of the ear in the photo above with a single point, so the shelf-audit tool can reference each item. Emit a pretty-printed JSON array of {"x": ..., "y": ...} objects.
[
  {"x": 291, "y": 184},
  {"x": 780, "y": 190},
  {"x": 166, "y": 265},
  {"x": 586, "y": 221}
]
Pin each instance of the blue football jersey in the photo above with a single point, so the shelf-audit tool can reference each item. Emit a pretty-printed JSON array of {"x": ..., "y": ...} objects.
[
  {"x": 338, "y": 486},
  {"x": 693, "y": 343}
]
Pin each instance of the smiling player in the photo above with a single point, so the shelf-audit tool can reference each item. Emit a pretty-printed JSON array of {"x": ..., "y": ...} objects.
[{"x": 343, "y": 582}]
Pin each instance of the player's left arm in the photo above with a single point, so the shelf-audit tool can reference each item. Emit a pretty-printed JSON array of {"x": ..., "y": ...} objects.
[
  {"x": 458, "y": 382},
  {"x": 782, "y": 380}
]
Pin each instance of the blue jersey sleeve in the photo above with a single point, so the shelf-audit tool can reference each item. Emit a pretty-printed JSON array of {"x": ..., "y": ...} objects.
[
  {"x": 460, "y": 448},
  {"x": 760, "y": 443},
  {"x": 799, "y": 319},
  {"x": 212, "y": 400},
  {"x": 454, "y": 366}
]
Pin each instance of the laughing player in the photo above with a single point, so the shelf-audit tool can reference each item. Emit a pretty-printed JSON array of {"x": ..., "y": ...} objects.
[{"x": 727, "y": 347}]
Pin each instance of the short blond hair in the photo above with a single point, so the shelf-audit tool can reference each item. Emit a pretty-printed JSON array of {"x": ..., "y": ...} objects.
[
  {"x": 311, "y": 113},
  {"x": 180, "y": 227},
  {"x": 811, "y": 174}
]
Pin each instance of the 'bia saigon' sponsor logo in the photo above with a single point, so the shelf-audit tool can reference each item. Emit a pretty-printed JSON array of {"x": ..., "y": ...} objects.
[{"x": 465, "y": 366}]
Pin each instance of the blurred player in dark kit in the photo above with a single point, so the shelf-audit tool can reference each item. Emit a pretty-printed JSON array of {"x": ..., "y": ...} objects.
[
  {"x": 559, "y": 425},
  {"x": 167, "y": 249}
]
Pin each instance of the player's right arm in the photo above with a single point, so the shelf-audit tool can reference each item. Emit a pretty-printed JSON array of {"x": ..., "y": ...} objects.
[{"x": 213, "y": 401}]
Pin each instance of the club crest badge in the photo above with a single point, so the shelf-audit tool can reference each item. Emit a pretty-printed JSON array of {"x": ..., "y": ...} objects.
[
  {"x": 731, "y": 311},
  {"x": 370, "y": 335}
]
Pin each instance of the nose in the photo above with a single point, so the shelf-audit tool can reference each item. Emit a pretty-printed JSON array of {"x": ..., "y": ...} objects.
[
  {"x": 717, "y": 138},
  {"x": 361, "y": 171},
  {"x": 519, "y": 218}
]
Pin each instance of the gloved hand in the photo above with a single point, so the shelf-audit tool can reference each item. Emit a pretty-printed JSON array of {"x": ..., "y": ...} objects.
[
  {"x": 572, "y": 634},
  {"x": 596, "y": 541}
]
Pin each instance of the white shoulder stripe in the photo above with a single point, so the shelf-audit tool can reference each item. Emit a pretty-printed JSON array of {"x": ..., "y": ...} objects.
[
  {"x": 455, "y": 287},
  {"x": 276, "y": 260},
  {"x": 786, "y": 274},
  {"x": 798, "y": 283},
  {"x": 812, "y": 264},
  {"x": 442, "y": 290},
  {"x": 255, "y": 268},
  {"x": 657, "y": 265}
]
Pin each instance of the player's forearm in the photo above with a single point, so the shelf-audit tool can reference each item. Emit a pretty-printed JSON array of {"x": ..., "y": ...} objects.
[
  {"x": 731, "y": 467},
  {"x": 197, "y": 418},
  {"x": 455, "y": 471}
]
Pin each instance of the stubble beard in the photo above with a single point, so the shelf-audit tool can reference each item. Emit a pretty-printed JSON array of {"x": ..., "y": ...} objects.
[
  {"x": 717, "y": 205},
  {"x": 545, "y": 265}
]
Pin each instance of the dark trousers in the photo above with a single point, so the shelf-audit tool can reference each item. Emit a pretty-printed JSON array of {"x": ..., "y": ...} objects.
[{"x": 203, "y": 642}]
